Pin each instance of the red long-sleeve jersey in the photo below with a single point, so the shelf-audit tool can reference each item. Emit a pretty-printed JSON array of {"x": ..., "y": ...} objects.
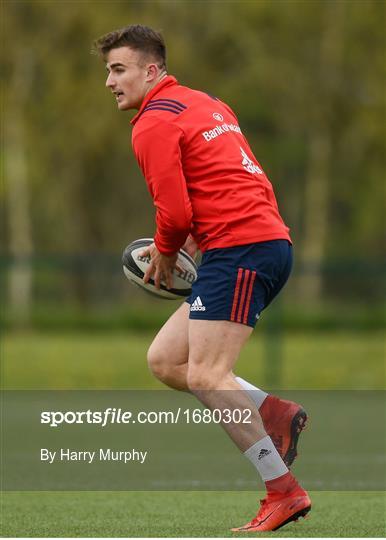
[{"x": 201, "y": 172}]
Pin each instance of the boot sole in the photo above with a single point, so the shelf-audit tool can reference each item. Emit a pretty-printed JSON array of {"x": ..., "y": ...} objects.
[
  {"x": 297, "y": 425},
  {"x": 295, "y": 517}
]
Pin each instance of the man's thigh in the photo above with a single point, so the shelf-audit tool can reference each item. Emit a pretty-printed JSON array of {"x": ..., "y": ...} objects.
[
  {"x": 214, "y": 346},
  {"x": 171, "y": 343}
]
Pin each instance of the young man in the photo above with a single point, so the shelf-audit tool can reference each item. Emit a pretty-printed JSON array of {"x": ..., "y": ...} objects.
[{"x": 210, "y": 192}]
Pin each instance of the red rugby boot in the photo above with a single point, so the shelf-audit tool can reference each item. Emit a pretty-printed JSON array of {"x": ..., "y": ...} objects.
[
  {"x": 278, "y": 510},
  {"x": 283, "y": 421}
]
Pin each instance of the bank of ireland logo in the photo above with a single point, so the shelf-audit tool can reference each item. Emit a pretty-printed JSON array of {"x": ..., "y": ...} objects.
[{"x": 219, "y": 117}]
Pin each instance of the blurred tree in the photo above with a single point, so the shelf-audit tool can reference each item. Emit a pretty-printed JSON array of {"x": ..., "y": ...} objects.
[
  {"x": 17, "y": 188},
  {"x": 321, "y": 154},
  {"x": 305, "y": 78}
]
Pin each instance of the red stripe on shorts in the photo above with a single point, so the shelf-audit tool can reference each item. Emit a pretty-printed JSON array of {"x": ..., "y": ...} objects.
[
  {"x": 249, "y": 296},
  {"x": 236, "y": 293},
  {"x": 243, "y": 291}
]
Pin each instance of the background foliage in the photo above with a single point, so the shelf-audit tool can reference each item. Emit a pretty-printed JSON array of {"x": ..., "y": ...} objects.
[{"x": 306, "y": 79}]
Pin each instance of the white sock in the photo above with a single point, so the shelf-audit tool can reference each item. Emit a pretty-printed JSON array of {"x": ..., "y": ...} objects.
[
  {"x": 257, "y": 395},
  {"x": 264, "y": 456}
]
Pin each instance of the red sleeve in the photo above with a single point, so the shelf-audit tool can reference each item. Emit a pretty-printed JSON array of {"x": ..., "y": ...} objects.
[{"x": 157, "y": 148}]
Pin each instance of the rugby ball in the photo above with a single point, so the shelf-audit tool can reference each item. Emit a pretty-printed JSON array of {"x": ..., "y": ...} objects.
[{"x": 135, "y": 266}]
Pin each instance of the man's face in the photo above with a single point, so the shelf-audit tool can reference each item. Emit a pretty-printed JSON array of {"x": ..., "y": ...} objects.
[{"x": 127, "y": 77}]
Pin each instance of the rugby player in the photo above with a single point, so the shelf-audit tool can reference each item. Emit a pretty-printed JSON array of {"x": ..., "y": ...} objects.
[{"x": 211, "y": 194}]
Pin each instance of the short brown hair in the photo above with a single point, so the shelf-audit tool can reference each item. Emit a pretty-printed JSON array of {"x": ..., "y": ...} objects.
[{"x": 137, "y": 37}]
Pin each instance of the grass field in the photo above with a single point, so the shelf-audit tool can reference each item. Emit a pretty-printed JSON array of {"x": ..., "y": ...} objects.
[
  {"x": 330, "y": 360},
  {"x": 182, "y": 514},
  {"x": 337, "y": 360}
]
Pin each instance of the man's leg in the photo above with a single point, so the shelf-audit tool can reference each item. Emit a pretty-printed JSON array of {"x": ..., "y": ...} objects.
[
  {"x": 214, "y": 347},
  {"x": 168, "y": 361},
  {"x": 168, "y": 354}
]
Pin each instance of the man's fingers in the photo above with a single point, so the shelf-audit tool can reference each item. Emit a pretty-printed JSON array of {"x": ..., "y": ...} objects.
[
  {"x": 145, "y": 252},
  {"x": 169, "y": 279},
  {"x": 157, "y": 279},
  {"x": 149, "y": 272},
  {"x": 160, "y": 268}
]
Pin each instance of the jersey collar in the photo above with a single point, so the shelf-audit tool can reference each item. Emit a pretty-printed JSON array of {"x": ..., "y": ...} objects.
[{"x": 167, "y": 81}]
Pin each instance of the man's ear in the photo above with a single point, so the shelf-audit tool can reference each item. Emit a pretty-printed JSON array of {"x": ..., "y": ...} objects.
[{"x": 152, "y": 72}]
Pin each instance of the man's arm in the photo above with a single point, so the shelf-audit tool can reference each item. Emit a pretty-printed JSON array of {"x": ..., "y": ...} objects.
[{"x": 157, "y": 146}]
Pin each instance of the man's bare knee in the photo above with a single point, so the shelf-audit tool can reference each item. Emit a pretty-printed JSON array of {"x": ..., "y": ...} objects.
[
  {"x": 158, "y": 364},
  {"x": 171, "y": 374}
]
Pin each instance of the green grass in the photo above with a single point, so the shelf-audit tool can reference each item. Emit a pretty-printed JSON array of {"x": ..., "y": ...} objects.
[
  {"x": 331, "y": 360},
  {"x": 181, "y": 514},
  {"x": 311, "y": 360}
]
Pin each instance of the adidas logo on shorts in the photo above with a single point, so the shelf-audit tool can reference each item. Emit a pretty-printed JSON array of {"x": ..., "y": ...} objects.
[{"x": 197, "y": 305}]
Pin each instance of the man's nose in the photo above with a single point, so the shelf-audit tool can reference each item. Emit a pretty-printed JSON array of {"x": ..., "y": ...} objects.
[{"x": 110, "y": 83}]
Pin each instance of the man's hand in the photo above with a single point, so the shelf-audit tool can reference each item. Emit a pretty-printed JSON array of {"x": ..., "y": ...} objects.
[
  {"x": 190, "y": 246},
  {"x": 161, "y": 267}
]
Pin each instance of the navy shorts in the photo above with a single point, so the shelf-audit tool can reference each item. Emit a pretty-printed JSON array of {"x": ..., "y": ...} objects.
[{"x": 237, "y": 283}]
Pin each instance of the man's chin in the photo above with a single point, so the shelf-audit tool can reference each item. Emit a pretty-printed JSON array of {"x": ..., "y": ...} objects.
[{"x": 124, "y": 106}]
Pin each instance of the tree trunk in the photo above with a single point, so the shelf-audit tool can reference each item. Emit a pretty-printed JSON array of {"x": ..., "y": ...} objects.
[
  {"x": 316, "y": 216},
  {"x": 319, "y": 171},
  {"x": 17, "y": 191}
]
